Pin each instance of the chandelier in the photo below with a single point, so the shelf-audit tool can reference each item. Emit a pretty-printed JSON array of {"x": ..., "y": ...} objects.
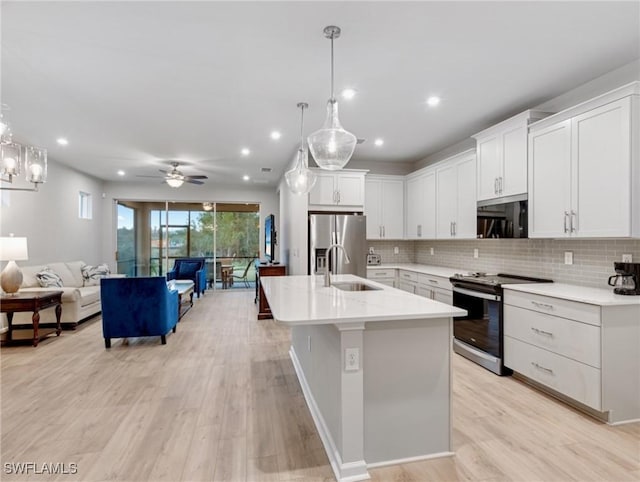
[
  {"x": 301, "y": 179},
  {"x": 332, "y": 146}
]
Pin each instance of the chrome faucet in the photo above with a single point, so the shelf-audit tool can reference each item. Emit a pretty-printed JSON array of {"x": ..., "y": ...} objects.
[{"x": 327, "y": 273}]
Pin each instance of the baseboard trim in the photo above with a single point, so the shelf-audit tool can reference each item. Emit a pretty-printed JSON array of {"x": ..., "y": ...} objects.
[
  {"x": 349, "y": 472},
  {"x": 410, "y": 459}
]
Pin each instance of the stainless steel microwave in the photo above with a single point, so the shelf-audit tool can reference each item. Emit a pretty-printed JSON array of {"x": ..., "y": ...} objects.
[{"x": 503, "y": 218}]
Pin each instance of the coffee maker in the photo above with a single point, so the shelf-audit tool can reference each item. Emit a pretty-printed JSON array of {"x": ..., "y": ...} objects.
[{"x": 627, "y": 279}]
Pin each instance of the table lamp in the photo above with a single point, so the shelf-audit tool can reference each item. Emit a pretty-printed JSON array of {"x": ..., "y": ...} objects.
[{"x": 12, "y": 250}]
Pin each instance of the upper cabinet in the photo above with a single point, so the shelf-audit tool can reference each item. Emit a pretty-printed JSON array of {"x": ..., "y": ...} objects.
[
  {"x": 584, "y": 169},
  {"x": 421, "y": 205},
  {"x": 456, "y": 197},
  {"x": 502, "y": 157},
  {"x": 338, "y": 190},
  {"x": 384, "y": 207}
]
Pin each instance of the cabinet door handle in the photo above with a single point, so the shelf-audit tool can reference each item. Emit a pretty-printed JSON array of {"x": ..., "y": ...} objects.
[
  {"x": 541, "y": 332},
  {"x": 433, "y": 281},
  {"x": 500, "y": 184},
  {"x": 574, "y": 222},
  {"x": 455, "y": 228},
  {"x": 540, "y": 367},
  {"x": 433, "y": 295},
  {"x": 384, "y": 233},
  {"x": 566, "y": 215},
  {"x": 419, "y": 230},
  {"x": 495, "y": 186},
  {"x": 542, "y": 305}
]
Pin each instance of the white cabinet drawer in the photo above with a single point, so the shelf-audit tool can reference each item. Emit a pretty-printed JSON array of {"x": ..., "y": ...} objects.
[
  {"x": 381, "y": 273},
  {"x": 554, "y": 306},
  {"x": 434, "y": 281},
  {"x": 571, "y": 378},
  {"x": 408, "y": 275},
  {"x": 578, "y": 341},
  {"x": 407, "y": 286}
]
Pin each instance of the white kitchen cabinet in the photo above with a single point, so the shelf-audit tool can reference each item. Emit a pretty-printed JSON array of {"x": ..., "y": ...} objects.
[
  {"x": 421, "y": 205},
  {"x": 584, "y": 174},
  {"x": 386, "y": 276},
  {"x": 341, "y": 189},
  {"x": 502, "y": 157},
  {"x": 587, "y": 352},
  {"x": 435, "y": 287},
  {"x": 456, "y": 197},
  {"x": 384, "y": 207}
]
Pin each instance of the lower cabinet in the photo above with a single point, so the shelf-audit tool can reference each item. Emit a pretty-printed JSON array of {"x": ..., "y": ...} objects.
[
  {"x": 383, "y": 276},
  {"x": 583, "y": 351}
]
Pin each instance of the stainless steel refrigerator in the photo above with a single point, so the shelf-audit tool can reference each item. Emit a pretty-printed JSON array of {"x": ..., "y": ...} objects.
[{"x": 349, "y": 230}]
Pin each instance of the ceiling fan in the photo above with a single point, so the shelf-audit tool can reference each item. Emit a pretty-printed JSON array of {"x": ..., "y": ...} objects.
[{"x": 175, "y": 178}]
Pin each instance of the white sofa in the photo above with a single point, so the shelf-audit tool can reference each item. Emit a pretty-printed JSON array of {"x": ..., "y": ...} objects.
[{"x": 79, "y": 302}]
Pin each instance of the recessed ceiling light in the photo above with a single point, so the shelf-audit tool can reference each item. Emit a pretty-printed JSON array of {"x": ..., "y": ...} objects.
[
  {"x": 275, "y": 135},
  {"x": 121, "y": 172},
  {"x": 245, "y": 151},
  {"x": 245, "y": 178},
  {"x": 378, "y": 142},
  {"x": 348, "y": 94},
  {"x": 62, "y": 141},
  {"x": 433, "y": 101}
]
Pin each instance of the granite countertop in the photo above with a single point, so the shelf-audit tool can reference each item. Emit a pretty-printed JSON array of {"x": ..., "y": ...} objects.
[
  {"x": 303, "y": 300},
  {"x": 582, "y": 294}
]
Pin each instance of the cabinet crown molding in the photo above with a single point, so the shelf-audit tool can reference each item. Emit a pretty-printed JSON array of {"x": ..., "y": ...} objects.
[
  {"x": 527, "y": 117},
  {"x": 456, "y": 157},
  {"x": 632, "y": 88}
]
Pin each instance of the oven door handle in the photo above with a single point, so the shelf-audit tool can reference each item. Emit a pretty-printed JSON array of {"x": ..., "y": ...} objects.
[{"x": 477, "y": 294}]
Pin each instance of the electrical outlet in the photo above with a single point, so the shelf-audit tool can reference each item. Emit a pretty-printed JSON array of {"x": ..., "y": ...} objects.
[
  {"x": 475, "y": 252},
  {"x": 627, "y": 258},
  {"x": 352, "y": 359},
  {"x": 396, "y": 250},
  {"x": 370, "y": 249},
  {"x": 568, "y": 257},
  {"x": 431, "y": 251}
]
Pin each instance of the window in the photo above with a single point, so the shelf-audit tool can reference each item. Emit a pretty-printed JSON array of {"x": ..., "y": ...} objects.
[{"x": 84, "y": 205}]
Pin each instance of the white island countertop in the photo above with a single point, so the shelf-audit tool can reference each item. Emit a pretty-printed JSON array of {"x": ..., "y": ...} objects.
[
  {"x": 582, "y": 294},
  {"x": 303, "y": 300}
]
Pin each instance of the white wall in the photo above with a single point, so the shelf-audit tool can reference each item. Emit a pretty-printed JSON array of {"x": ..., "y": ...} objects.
[
  {"x": 49, "y": 218},
  {"x": 267, "y": 197}
]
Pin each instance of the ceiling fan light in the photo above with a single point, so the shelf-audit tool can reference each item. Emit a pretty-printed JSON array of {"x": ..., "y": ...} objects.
[
  {"x": 301, "y": 179},
  {"x": 332, "y": 146},
  {"x": 175, "y": 182}
]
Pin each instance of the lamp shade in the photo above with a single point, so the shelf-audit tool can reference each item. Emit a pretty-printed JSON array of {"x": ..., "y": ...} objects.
[
  {"x": 332, "y": 146},
  {"x": 301, "y": 179},
  {"x": 13, "y": 249},
  {"x": 174, "y": 181}
]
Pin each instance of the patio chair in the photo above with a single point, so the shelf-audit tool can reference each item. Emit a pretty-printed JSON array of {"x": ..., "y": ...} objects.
[{"x": 243, "y": 277}]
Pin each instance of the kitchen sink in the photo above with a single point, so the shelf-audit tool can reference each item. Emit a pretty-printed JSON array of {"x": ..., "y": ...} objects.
[{"x": 354, "y": 286}]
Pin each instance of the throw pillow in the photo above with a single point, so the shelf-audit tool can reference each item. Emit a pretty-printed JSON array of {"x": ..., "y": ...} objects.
[
  {"x": 93, "y": 274},
  {"x": 48, "y": 279}
]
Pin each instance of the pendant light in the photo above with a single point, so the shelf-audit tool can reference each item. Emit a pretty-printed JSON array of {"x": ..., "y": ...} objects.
[
  {"x": 301, "y": 179},
  {"x": 332, "y": 146}
]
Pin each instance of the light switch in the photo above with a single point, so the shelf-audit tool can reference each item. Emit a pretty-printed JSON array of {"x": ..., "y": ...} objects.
[{"x": 475, "y": 252}]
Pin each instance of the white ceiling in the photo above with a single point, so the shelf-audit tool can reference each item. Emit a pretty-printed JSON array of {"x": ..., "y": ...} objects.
[{"x": 134, "y": 84}]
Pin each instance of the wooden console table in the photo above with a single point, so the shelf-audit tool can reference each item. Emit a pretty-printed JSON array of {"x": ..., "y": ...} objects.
[
  {"x": 264, "y": 311},
  {"x": 31, "y": 301}
]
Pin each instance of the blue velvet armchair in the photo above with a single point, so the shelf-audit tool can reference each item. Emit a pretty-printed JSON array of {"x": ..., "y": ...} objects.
[
  {"x": 133, "y": 307},
  {"x": 193, "y": 269}
]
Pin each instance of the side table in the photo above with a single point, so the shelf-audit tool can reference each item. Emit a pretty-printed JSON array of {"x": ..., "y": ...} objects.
[{"x": 31, "y": 301}]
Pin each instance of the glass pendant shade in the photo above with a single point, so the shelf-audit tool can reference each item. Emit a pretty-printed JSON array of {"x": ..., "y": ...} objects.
[
  {"x": 10, "y": 158},
  {"x": 36, "y": 164},
  {"x": 300, "y": 179},
  {"x": 332, "y": 146},
  {"x": 175, "y": 182}
]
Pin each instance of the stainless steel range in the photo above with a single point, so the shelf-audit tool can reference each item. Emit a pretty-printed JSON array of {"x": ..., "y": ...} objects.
[{"x": 478, "y": 336}]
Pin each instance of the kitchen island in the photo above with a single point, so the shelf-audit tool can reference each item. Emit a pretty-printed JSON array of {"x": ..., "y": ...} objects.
[{"x": 374, "y": 366}]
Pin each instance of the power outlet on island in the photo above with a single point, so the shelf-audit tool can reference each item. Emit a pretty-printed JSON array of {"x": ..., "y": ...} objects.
[
  {"x": 627, "y": 258},
  {"x": 352, "y": 359}
]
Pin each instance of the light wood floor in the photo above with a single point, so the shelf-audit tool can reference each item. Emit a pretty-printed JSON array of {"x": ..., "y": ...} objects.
[{"x": 221, "y": 402}]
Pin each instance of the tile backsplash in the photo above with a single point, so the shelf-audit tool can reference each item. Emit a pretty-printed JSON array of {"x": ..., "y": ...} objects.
[{"x": 592, "y": 259}]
